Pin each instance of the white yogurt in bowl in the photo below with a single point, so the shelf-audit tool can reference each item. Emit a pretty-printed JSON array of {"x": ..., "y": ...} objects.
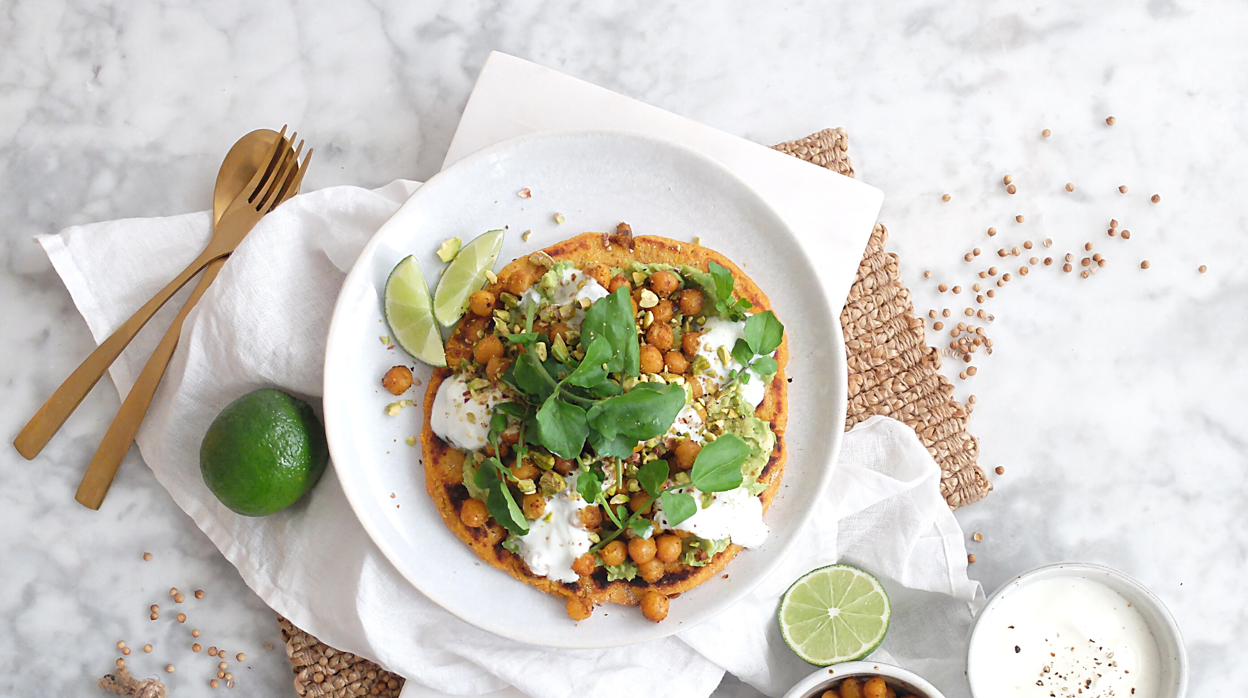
[{"x": 1075, "y": 631}]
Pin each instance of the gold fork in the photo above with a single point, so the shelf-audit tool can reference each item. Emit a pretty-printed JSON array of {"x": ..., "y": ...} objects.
[
  {"x": 267, "y": 186},
  {"x": 116, "y": 443}
]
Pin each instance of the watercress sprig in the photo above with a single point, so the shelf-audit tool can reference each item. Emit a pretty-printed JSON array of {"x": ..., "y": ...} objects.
[{"x": 763, "y": 335}]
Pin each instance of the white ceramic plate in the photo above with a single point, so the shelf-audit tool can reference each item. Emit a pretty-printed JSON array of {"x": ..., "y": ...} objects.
[{"x": 595, "y": 179}]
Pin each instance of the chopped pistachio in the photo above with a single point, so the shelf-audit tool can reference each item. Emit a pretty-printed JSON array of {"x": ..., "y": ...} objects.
[
  {"x": 593, "y": 537},
  {"x": 509, "y": 300},
  {"x": 697, "y": 240},
  {"x": 639, "y": 278},
  {"x": 545, "y": 461},
  {"x": 449, "y": 249},
  {"x": 542, "y": 259},
  {"x": 633, "y": 486},
  {"x": 619, "y": 499},
  {"x": 540, "y": 349},
  {"x": 567, "y": 311},
  {"x": 478, "y": 383},
  {"x": 629, "y": 383},
  {"x": 682, "y": 478},
  {"x": 526, "y": 235},
  {"x": 648, "y": 299},
  {"x": 504, "y": 315},
  {"x": 552, "y": 483},
  {"x": 559, "y": 218},
  {"x": 559, "y": 349},
  {"x": 724, "y": 355},
  {"x": 384, "y": 340},
  {"x": 526, "y": 486},
  {"x": 393, "y": 409},
  {"x": 584, "y": 303},
  {"x": 491, "y": 276},
  {"x": 411, "y": 441}
]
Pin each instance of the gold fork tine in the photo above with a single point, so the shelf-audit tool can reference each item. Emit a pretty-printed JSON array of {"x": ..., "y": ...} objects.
[
  {"x": 274, "y": 157},
  {"x": 278, "y": 178},
  {"x": 292, "y": 175}
]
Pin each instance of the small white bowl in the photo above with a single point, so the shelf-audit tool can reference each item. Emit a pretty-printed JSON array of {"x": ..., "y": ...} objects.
[
  {"x": 815, "y": 684},
  {"x": 1172, "y": 655}
]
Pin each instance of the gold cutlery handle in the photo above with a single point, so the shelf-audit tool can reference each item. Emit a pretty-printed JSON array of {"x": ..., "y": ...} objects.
[
  {"x": 49, "y": 419},
  {"x": 120, "y": 434}
]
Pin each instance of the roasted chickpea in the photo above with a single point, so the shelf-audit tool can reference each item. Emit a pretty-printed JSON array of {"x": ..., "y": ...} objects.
[
  {"x": 830, "y": 693},
  {"x": 652, "y": 571},
  {"x": 500, "y": 452},
  {"x": 600, "y": 273},
  {"x": 496, "y": 367},
  {"x": 874, "y": 688},
  {"x": 613, "y": 553},
  {"x": 617, "y": 281},
  {"x": 691, "y": 301},
  {"x": 510, "y": 436},
  {"x": 664, "y": 283},
  {"x": 659, "y": 336},
  {"x": 473, "y": 514},
  {"x": 851, "y": 688},
  {"x": 591, "y": 517},
  {"x": 667, "y": 548},
  {"x": 662, "y": 312},
  {"x": 583, "y": 566},
  {"x": 519, "y": 282},
  {"x": 564, "y": 466},
  {"x": 641, "y": 549},
  {"x": 495, "y": 534},
  {"x": 472, "y": 326},
  {"x": 689, "y": 343},
  {"x": 534, "y": 506},
  {"x": 559, "y": 329},
  {"x": 639, "y": 502},
  {"x": 686, "y": 453},
  {"x": 397, "y": 380},
  {"x": 525, "y": 471},
  {"x": 654, "y": 606},
  {"x": 579, "y": 609},
  {"x": 651, "y": 359},
  {"x": 676, "y": 362},
  {"x": 488, "y": 348},
  {"x": 889, "y": 692},
  {"x": 482, "y": 303}
]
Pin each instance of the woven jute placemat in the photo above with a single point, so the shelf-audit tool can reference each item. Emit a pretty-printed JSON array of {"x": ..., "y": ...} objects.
[{"x": 892, "y": 372}]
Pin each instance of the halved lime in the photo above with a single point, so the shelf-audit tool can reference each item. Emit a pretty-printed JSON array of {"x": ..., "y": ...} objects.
[
  {"x": 410, "y": 315},
  {"x": 464, "y": 276},
  {"x": 834, "y": 614}
]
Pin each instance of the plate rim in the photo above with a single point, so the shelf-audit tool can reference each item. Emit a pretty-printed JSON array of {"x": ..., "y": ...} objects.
[{"x": 360, "y": 268}]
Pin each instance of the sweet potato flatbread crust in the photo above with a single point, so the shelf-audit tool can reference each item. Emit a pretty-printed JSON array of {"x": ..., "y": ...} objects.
[{"x": 444, "y": 463}]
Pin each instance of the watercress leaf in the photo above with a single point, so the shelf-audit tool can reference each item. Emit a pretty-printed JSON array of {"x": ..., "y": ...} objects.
[
  {"x": 512, "y": 409},
  {"x": 561, "y": 428},
  {"x": 498, "y": 422},
  {"x": 621, "y": 512},
  {"x": 744, "y": 378},
  {"x": 723, "y": 280},
  {"x": 718, "y": 465},
  {"x": 640, "y": 526},
  {"x": 744, "y": 303},
  {"x": 742, "y": 351},
  {"x": 523, "y": 338},
  {"x": 589, "y": 485},
  {"x": 532, "y": 378},
  {"x": 606, "y": 388},
  {"x": 765, "y": 366},
  {"x": 652, "y": 475},
  {"x": 614, "y": 447},
  {"x": 677, "y": 507},
  {"x": 644, "y": 412},
  {"x": 764, "y": 332},
  {"x": 502, "y": 506},
  {"x": 611, "y": 317},
  {"x": 591, "y": 371},
  {"x": 487, "y": 473}
]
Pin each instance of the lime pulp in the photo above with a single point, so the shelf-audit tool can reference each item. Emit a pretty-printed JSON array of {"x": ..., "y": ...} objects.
[
  {"x": 834, "y": 614},
  {"x": 465, "y": 275},
  {"x": 410, "y": 315}
]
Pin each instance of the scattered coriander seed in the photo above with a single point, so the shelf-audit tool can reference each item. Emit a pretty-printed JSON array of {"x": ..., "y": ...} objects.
[
  {"x": 195, "y": 632},
  {"x": 975, "y": 251},
  {"x": 1023, "y": 271},
  {"x": 969, "y": 312},
  {"x": 195, "y": 647},
  {"x": 1097, "y": 257},
  {"x": 927, "y": 274},
  {"x": 214, "y": 683},
  {"x": 173, "y": 591},
  {"x": 1015, "y": 252},
  {"x": 1122, "y": 189},
  {"x": 942, "y": 288},
  {"x": 1202, "y": 269},
  {"x": 1008, "y": 179},
  {"x": 971, "y": 558},
  {"x": 1145, "y": 264},
  {"x": 946, "y": 312},
  {"x": 1011, "y": 189},
  {"x": 992, "y": 293},
  {"x": 220, "y": 674},
  {"x": 179, "y": 598},
  {"x": 1046, "y": 133},
  {"x": 1085, "y": 261},
  {"x": 1033, "y": 261},
  {"x": 1048, "y": 242},
  {"x": 1109, "y": 120},
  {"x": 938, "y": 326},
  {"x": 1027, "y": 244},
  {"x": 222, "y": 666},
  {"x": 966, "y": 358},
  {"x": 946, "y": 197},
  {"x": 525, "y": 193},
  {"x": 121, "y": 644},
  {"x": 1048, "y": 261},
  {"x": 1019, "y": 218},
  {"x": 1087, "y": 246},
  {"x": 1070, "y": 186},
  {"x": 1067, "y": 268},
  {"x": 1156, "y": 198},
  {"x": 957, "y": 331},
  {"x": 968, "y": 256},
  {"x": 1126, "y": 234},
  {"x": 992, "y": 231},
  {"x": 976, "y": 287},
  {"x": 972, "y": 370},
  {"x": 983, "y": 274},
  {"x": 1085, "y": 273},
  {"x": 154, "y": 616},
  {"x": 125, "y": 651},
  {"x": 268, "y": 646},
  {"x": 979, "y": 299},
  {"x": 1101, "y": 262},
  {"x": 972, "y": 399},
  {"x": 962, "y": 375},
  {"x": 957, "y": 289},
  {"x": 1006, "y": 276},
  {"x": 978, "y": 536},
  {"x": 147, "y": 557},
  {"x": 241, "y": 656},
  {"x": 181, "y": 617},
  {"x": 1069, "y": 257},
  {"x": 229, "y": 676},
  {"x": 155, "y": 608},
  {"x": 1111, "y": 232},
  {"x": 121, "y": 661},
  {"x": 992, "y": 271},
  {"x": 931, "y": 313},
  {"x": 1113, "y": 222},
  {"x": 212, "y": 651},
  {"x": 1002, "y": 252},
  {"x": 147, "y": 648},
  {"x": 1000, "y": 470},
  {"x": 229, "y": 684}
]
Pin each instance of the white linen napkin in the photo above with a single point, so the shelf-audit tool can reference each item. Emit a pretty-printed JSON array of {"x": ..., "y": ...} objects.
[{"x": 264, "y": 323}]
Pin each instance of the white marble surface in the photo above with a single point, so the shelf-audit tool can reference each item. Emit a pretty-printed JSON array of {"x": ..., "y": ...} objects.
[{"x": 1115, "y": 403}]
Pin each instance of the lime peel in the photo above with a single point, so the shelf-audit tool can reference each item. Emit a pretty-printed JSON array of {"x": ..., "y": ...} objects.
[
  {"x": 409, "y": 312},
  {"x": 464, "y": 275},
  {"x": 834, "y": 614}
]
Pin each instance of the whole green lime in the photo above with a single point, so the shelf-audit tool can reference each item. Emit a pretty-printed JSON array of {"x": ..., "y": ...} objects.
[{"x": 263, "y": 452}]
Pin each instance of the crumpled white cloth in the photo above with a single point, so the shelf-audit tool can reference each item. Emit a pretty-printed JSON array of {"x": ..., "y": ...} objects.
[{"x": 264, "y": 324}]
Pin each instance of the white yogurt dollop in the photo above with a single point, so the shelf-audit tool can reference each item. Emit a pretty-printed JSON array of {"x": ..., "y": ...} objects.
[
  {"x": 734, "y": 514},
  {"x": 688, "y": 423},
  {"x": 460, "y": 419},
  {"x": 719, "y": 336},
  {"x": 555, "y": 540},
  {"x": 573, "y": 285}
]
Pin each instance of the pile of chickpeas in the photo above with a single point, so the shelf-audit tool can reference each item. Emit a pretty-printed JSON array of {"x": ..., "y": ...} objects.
[{"x": 856, "y": 687}]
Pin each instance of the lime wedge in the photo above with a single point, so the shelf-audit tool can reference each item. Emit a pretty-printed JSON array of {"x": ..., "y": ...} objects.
[
  {"x": 465, "y": 275},
  {"x": 834, "y": 614},
  {"x": 409, "y": 313}
]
